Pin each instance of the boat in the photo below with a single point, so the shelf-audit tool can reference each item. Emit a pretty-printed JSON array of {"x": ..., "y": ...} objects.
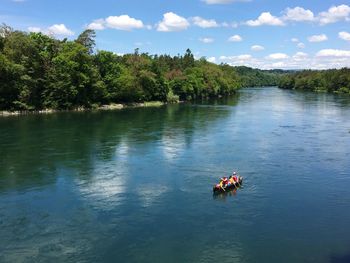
[{"x": 217, "y": 189}]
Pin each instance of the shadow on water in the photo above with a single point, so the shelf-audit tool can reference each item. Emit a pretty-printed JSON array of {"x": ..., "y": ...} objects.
[
  {"x": 308, "y": 98},
  {"x": 340, "y": 258},
  {"x": 225, "y": 195},
  {"x": 226, "y": 100},
  {"x": 35, "y": 148}
]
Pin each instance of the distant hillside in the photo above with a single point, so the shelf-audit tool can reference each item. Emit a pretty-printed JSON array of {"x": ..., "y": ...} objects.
[{"x": 250, "y": 77}]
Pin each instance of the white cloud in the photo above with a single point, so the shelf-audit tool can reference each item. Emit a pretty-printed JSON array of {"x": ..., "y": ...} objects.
[
  {"x": 172, "y": 22},
  {"x": 276, "y": 56},
  {"x": 60, "y": 30},
  {"x": 279, "y": 65},
  {"x": 34, "y": 29},
  {"x": 334, "y": 14},
  {"x": 235, "y": 38},
  {"x": 317, "y": 38},
  {"x": 265, "y": 19},
  {"x": 211, "y": 59},
  {"x": 204, "y": 23},
  {"x": 344, "y": 35},
  {"x": 236, "y": 58},
  {"x": 244, "y": 57},
  {"x": 300, "y": 56},
  {"x": 298, "y": 14},
  {"x": 123, "y": 22},
  {"x": 98, "y": 24},
  {"x": 206, "y": 40},
  {"x": 333, "y": 53},
  {"x": 239, "y": 60},
  {"x": 220, "y": 2},
  {"x": 301, "y": 45},
  {"x": 328, "y": 58},
  {"x": 231, "y": 24},
  {"x": 54, "y": 30},
  {"x": 257, "y": 48}
]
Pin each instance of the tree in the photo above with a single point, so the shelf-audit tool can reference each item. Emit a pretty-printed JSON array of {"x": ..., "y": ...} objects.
[
  {"x": 333, "y": 80},
  {"x": 188, "y": 59},
  {"x": 10, "y": 83},
  {"x": 110, "y": 70},
  {"x": 74, "y": 79},
  {"x": 21, "y": 50},
  {"x": 87, "y": 39}
]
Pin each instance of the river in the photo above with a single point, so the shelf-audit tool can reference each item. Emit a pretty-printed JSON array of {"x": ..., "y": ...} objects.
[{"x": 135, "y": 185}]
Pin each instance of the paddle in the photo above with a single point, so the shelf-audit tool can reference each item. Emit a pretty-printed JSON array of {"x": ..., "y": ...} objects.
[
  {"x": 222, "y": 188},
  {"x": 236, "y": 182},
  {"x": 238, "y": 176}
]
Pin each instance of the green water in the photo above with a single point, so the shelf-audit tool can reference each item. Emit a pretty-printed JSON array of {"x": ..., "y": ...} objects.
[{"x": 135, "y": 185}]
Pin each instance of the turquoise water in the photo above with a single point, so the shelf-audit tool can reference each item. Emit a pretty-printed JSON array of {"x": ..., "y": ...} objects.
[{"x": 135, "y": 185}]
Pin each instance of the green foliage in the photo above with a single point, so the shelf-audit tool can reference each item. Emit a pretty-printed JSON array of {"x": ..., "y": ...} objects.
[
  {"x": 333, "y": 80},
  {"x": 10, "y": 83},
  {"x": 38, "y": 72},
  {"x": 171, "y": 98},
  {"x": 254, "y": 77},
  {"x": 74, "y": 79}
]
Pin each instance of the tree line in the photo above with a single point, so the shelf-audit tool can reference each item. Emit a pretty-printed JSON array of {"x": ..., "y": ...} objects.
[
  {"x": 250, "y": 77},
  {"x": 332, "y": 80},
  {"x": 40, "y": 72}
]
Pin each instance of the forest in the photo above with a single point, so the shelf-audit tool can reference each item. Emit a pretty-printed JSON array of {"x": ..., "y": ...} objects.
[
  {"x": 39, "y": 72},
  {"x": 332, "y": 80},
  {"x": 250, "y": 77}
]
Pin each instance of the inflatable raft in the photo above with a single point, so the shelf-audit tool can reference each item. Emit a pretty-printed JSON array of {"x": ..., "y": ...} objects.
[{"x": 217, "y": 189}]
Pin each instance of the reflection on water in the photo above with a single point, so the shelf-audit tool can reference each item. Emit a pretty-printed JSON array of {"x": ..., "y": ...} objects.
[
  {"x": 136, "y": 185},
  {"x": 33, "y": 146},
  {"x": 225, "y": 195},
  {"x": 173, "y": 144},
  {"x": 149, "y": 194}
]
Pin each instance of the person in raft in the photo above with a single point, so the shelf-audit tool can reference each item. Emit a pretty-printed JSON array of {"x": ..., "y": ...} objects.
[
  {"x": 223, "y": 182},
  {"x": 235, "y": 177},
  {"x": 231, "y": 180}
]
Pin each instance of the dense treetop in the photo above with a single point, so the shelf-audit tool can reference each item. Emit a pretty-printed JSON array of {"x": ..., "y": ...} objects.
[
  {"x": 40, "y": 72},
  {"x": 332, "y": 80},
  {"x": 250, "y": 77}
]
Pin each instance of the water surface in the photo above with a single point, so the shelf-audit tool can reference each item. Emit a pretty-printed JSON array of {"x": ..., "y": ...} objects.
[{"x": 135, "y": 185}]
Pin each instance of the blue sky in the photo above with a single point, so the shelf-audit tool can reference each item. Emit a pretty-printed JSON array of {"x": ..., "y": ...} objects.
[{"x": 258, "y": 33}]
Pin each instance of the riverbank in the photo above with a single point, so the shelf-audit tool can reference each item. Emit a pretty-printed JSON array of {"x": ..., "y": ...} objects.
[
  {"x": 326, "y": 81},
  {"x": 112, "y": 106}
]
